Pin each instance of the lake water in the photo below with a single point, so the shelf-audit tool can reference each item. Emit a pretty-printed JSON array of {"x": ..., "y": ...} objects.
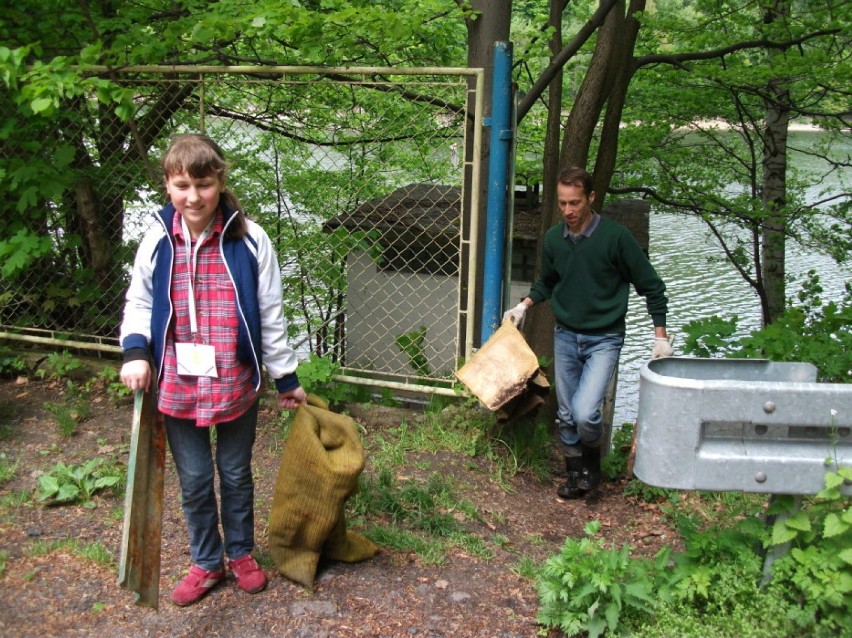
[{"x": 700, "y": 285}]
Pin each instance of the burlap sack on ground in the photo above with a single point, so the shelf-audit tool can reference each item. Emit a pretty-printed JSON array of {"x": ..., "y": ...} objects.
[{"x": 322, "y": 460}]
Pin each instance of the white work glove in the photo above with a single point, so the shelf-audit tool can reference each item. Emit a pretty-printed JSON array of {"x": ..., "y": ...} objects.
[
  {"x": 516, "y": 314},
  {"x": 663, "y": 347}
]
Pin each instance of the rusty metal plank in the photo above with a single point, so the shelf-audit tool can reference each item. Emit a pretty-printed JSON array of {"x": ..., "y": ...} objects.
[{"x": 139, "y": 568}]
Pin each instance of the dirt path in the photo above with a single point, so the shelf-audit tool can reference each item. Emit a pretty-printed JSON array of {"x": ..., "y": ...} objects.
[{"x": 58, "y": 593}]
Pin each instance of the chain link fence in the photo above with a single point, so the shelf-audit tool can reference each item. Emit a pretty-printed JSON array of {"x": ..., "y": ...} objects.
[{"x": 358, "y": 176}]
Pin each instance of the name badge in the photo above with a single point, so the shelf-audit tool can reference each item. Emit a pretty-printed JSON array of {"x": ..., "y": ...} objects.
[{"x": 196, "y": 360}]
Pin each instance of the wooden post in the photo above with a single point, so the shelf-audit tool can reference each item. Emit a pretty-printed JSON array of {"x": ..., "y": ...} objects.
[{"x": 139, "y": 568}]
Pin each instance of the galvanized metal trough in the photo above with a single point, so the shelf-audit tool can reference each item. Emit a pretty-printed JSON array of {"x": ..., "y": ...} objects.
[{"x": 740, "y": 425}]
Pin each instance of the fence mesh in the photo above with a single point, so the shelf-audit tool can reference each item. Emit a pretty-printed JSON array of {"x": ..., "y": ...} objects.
[{"x": 357, "y": 177}]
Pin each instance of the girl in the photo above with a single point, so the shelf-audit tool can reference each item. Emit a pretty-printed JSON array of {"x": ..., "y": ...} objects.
[{"x": 204, "y": 304}]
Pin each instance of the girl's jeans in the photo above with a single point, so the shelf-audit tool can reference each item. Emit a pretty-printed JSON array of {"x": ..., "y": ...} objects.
[
  {"x": 583, "y": 366},
  {"x": 193, "y": 455}
]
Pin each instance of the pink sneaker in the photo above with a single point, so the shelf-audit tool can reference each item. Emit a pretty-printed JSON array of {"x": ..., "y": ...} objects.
[
  {"x": 195, "y": 585},
  {"x": 249, "y": 575}
]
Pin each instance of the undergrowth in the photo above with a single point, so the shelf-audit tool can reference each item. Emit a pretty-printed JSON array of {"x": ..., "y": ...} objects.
[{"x": 720, "y": 583}]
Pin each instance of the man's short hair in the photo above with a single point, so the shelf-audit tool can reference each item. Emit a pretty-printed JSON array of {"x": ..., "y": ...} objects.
[{"x": 576, "y": 176}]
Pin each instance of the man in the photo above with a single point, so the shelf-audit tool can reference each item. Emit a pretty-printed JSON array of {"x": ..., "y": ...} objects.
[{"x": 588, "y": 264}]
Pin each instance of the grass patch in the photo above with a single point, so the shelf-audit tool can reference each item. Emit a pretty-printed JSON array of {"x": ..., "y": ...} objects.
[
  {"x": 420, "y": 517},
  {"x": 15, "y": 499},
  {"x": 425, "y": 515},
  {"x": 527, "y": 568},
  {"x": 96, "y": 552},
  {"x": 8, "y": 468}
]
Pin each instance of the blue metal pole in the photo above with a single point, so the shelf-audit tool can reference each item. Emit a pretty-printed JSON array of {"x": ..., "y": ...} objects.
[{"x": 498, "y": 175}]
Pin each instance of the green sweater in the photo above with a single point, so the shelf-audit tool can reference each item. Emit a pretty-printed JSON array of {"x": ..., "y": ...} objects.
[{"x": 588, "y": 282}]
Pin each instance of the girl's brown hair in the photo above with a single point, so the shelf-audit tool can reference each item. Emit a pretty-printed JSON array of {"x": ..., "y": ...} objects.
[{"x": 199, "y": 156}]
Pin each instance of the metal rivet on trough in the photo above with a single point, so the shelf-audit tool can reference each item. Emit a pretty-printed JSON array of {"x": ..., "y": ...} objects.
[
  {"x": 760, "y": 477},
  {"x": 769, "y": 407}
]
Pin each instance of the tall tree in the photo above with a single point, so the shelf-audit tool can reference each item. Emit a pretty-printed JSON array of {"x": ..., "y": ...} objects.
[
  {"x": 594, "y": 127},
  {"x": 735, "y": 174},
  {"x": 65, "y": 197}
]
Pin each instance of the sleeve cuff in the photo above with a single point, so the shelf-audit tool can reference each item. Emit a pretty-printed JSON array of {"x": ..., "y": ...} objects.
[
  {"x": 287, "y": 382},
  {"x": 134, "y": 354}
]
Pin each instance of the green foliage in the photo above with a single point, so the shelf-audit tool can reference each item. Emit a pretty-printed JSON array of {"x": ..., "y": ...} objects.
[
  {"x": 412, "y": 344},
  {"x": 8, "y": 468},
  {"x": 73, "y": 410},
  {"x": 316, "y": 375},
  {"x": 528, "y": 448},
  {"x": 20, "y": 250},
  {"x": 11, "y": 365},
  {"x": 817, "y": 571},
  {"x": 709, "y": 336},
  {"x": 108, "y": 379},
  {"x": 527, "y": 568},
  {"x": 66, "y": 424},
  {"x": 419, "y": 515},
  {"x": 590, "y": 588},
  {"x": 95, "y": 552},
  {"x": 718, "y": 570},
  {"x": 70, "y": 484},
  {"x": 648, "y": 493},
  {"x": 614, "y": 464},
  {"x": 713, "y": 586},
  {"x": 58, "y": 365},
  {"x": 808, "y": 331}
]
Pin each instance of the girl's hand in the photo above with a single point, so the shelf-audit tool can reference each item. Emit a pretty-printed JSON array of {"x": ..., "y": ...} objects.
[
  {"x": 292, "y": 399},
  {"x": 136, "y": 374}
]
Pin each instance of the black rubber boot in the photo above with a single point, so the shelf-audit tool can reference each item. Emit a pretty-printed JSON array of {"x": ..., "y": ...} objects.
[
  {"x": 573, "y": 467},
  {"x": 590, "y": 475}
]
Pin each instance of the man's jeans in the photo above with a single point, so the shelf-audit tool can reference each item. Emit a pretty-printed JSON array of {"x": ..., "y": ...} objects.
[
  {"x": 193, "y": 456},
  {"x": 583, "y": 366}
]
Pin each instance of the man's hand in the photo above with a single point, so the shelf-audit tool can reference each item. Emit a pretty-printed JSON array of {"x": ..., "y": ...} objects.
[
  {"x": 516, "y": 314},
  {"x": 136, "y": 374},
  {"x": 662, "y": 347},
  {"x": 292, "y": 398}
]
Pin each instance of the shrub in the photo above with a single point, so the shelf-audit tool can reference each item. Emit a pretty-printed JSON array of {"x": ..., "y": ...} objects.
[{"x": 588, "y": 587}]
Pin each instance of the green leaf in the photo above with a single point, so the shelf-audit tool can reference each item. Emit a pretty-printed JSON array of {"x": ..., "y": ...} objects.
[
  {"x": 47, "y": 485},
  {"x": 782, "y": 534},
  {"x": 596, "y": 626},
  {"x": 106, "y": 481},
  {"x": 68, "y": 492},
  {"x": 612, "y": 612},
  {"x": 846, "y": 555},
  {"x": 834, "y": 526},
  {"x": 799, "y": 521},
  {"x": 41, "y": 104},
  {"x": 833, "y": 479}
]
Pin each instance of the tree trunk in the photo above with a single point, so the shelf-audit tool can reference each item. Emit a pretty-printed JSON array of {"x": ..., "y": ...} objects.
[
  {"x": 540, "y": 319},
  {"x": 772, "y": 257},
  {"x": 585, "y": 113},
  {"x": 576, "y": 141},
  {"x": 622, "y": 61}
]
